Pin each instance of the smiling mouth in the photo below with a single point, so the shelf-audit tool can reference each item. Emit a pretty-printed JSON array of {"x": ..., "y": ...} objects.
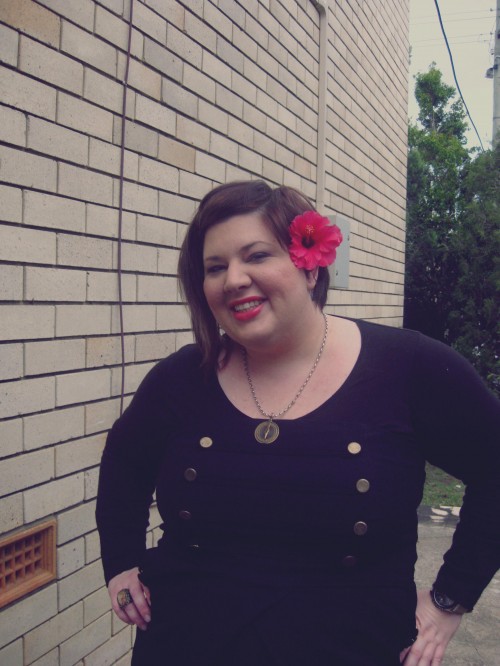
[{"x": 243, "y": 307}]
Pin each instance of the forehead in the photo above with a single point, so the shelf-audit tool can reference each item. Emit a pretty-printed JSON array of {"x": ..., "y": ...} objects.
[{"x": 237, "y": 231}]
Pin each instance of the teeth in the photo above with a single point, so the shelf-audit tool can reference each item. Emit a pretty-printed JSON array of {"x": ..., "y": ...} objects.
[{"x": 246, "y": 306}]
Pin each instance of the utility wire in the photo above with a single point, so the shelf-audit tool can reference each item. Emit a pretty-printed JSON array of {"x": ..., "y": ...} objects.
[{"x": 454, "y": 73}]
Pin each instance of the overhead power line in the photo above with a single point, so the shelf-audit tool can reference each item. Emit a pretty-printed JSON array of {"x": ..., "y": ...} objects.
[{"x": 454, "y": 73}]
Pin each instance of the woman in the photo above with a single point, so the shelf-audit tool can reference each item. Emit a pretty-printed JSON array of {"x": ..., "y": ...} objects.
[{"x": 287, "y": 451}]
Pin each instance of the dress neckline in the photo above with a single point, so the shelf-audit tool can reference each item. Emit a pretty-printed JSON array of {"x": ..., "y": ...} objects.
[{"x": 331, "y": 398}]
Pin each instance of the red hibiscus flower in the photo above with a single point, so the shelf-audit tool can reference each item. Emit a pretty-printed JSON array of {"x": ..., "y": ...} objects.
[{"x": 314, "y": 240}]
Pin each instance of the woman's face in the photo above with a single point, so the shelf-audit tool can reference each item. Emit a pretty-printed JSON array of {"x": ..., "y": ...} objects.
[{"x": 253, "y": 289}]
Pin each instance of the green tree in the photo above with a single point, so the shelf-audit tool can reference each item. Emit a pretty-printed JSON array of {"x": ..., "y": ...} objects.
[
  {"x": 474, "y": 318},
  {"x": 452, "y": 279}
]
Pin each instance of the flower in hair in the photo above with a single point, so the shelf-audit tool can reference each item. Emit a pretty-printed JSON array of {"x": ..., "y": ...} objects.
[{"x": 314, "y": 241}]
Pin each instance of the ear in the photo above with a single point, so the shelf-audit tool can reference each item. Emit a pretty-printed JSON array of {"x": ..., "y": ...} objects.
[{"x": 312, "y": 278}]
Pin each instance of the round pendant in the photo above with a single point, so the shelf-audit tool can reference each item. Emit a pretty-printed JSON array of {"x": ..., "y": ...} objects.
[{"x": 267, "y": 432}]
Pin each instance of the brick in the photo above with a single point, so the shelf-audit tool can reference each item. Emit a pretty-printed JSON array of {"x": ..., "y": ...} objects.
[
  {"x": 13, "y": 126},
  {"x": 101, "y": 415},
  {"x": 175, "y": 207},
  {"x": 46, "y": 137},
  {"x": 26, "y": 470},
  {"x": 12, "y": 655},
  {"x": 54, "y": 356},
  {"x": 88, "y": 48},
  {"x": 93, "y": 549},
  {"x": 79, "y": 454},
  {"x": 103, "y": 221},
  {"x": 76, "y": 587},
  {"x": 234, "y": 11},
  {"x": 193, "y": 133},
  {"x": 214, "y": 17},
  {"x": 32, "y": 19},
  {"x": 104, "y": 287},
  {"x": 96, "y": 605},
  {"x": 23, "y": 168},
  {"x": 111, "y": 651},
  {"x": 11, "y": 512},
  {"x": 227, "y": 53},
  {"x": 172, "y": 317},
  {"x": 272, "y": 171},
  {"x": 21, "y": 322},
  {"x": 178, "y": 98},
  {"x": 49, "y": 659},
  {"x": 143, "y": 78},
  {"x": 104, "y": 156},
  {"x": 11, "y": 283},
  {"x": 12, "y": 204},
  {"x": 49, "y": 65},
  {"x": 9, "y": 45},
  {"x": 136, "y": 318},
  {"x": 162, "y": 60},
  {"x": 156, "y": 230},
  {"x": 158, "y": 175},
  {"x": 248, "y": 159},
  {"x": 19, "y": 618},
  {"x": 26, "y": 396},
  {"x": 112, "y": 28},
  {"x": 156, "y": 115},
  {"x": 133, "y": 377},
  {"x": 27, "y": 245},
  {"x": 198, "y": 83},
  {"x": 75, "y": 522},
  {"x": 84, "y": 117},
  {"x": 201, "y": 32},
  {"x": 150, "y": 23},
  {"x": 184, "y": 46},
  {"x": 91, "y": 483},
  {"x": 11, "y": 437},
  {"x": 229, "y": 101},
  {"x": 138, "y": 138},
  {"x": 167, "y": 261},
  {"x": 217, "y": 70},
  {"x": 193, "y": 185},
  {"x": 126, "y": 660},
  {"x": 54, "y": 284},
  {"x": 53, "y": 427},
  {"x": 155, "y": 288},
  {"x": 212, "y": 116},
  {"x": 82, "y": 320},
  {"x": 82, "y": 386},
  {"x": 140, "y": 199},
  {"x": 223, "y": 148},
  {"x": 45, "y": 210},
  {"x": 53, "y": 497},
  {"x": 102, "y": 90},
  {"x": 48, "y": 635},
  {"x": 154, "y": 346},
  {"x": 245, "y": 43},
  {"x": 22, "y": 92},
  {"x": 84, "y": 251},
  {"x": 11, "y": 360},
  {"x": 81, "y": 12}
]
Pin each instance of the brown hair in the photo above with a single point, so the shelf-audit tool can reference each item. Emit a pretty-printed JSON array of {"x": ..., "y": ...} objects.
[{"x": 278, "y": 207}]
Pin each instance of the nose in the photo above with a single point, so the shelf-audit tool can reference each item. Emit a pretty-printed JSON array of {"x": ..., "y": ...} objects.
[{"x": 236, "y": 277}]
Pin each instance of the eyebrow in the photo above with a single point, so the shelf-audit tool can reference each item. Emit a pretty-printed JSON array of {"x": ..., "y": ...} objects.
[{"x": 245, "y": 248}]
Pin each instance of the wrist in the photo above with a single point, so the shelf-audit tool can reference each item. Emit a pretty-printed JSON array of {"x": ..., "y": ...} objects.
[{"x": 445, "y": 604}]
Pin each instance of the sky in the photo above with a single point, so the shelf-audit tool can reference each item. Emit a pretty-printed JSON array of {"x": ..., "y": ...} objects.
[{"x": 470, "y": 28}]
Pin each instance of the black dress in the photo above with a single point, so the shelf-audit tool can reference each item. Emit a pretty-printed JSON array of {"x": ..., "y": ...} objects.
[{"x": 302, "y": 551}]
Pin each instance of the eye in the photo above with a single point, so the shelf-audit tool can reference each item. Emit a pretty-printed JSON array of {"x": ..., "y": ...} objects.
[
  {"x": 258, "y": 256},
  {"x": 215, "y": 268}
]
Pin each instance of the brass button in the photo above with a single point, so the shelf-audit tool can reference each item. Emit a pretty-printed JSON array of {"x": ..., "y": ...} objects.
[
  {"x": 362, "y": 485},
  {"x": 206, "y": 442},
  {"x": 360, "y": 528},
  {"x": 190, "y": 474},
  {"x": 354, "y": 448},
  {"x": 349, "y": 561},
  {"x": 185, "y": 514}
]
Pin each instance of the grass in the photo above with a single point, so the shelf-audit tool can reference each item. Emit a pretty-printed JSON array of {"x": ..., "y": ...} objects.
[{"x": 441, "y": 489}]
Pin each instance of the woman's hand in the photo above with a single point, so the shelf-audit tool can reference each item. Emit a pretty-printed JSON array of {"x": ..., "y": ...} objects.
[
  {"x": 435, "y": 630},
  {"x": 138, "y": 611}
]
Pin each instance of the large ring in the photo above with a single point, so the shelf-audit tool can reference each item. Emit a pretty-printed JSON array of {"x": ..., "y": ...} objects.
[{"x": 124, "y": 598}]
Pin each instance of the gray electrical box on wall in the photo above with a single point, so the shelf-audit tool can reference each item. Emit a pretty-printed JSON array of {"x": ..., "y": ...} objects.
[{"x": 339, "y": 271}]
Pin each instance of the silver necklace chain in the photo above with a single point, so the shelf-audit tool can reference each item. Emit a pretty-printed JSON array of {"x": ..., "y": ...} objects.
[{"x": 273, "y": 415}]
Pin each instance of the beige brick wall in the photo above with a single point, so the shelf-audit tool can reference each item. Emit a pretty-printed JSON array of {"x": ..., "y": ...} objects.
[{"x": 219, "y": 89}]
